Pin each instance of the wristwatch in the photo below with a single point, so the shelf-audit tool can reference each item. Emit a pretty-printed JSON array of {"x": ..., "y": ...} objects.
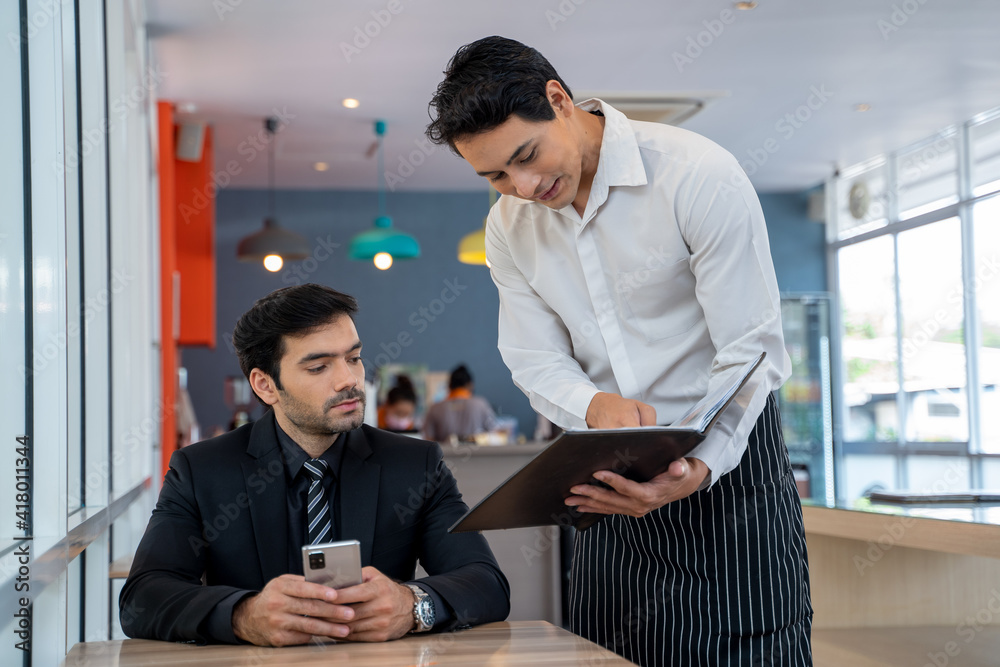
[{"x": 423, "y": 609}]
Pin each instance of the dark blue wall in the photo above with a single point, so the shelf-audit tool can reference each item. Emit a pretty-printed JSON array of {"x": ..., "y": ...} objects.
[
  {"x": 797, "y": 243},
  {"x": 463, "y": 331}
]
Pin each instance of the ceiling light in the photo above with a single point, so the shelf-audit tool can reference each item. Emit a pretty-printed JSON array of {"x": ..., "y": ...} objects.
[
  {"x": 862, "y": 107},
  {"x": 351, "y": 103},
  {"x": 383, "y": 261},
  {"x": 383, "y": 240},
  {"x": 321, "y": 166},
  {"x": 187, "y": 107},
  {"x": 745, "y": 5},
  {"x": 272, "y": 245}
]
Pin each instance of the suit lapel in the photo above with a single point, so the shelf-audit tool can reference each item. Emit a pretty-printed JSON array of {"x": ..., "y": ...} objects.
[
  {"x": 264, "y": 476},
  {"x": 359, "y": 487}
]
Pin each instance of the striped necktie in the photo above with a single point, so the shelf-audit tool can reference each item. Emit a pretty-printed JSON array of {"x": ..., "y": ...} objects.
[{"x": 318, "y": 509}]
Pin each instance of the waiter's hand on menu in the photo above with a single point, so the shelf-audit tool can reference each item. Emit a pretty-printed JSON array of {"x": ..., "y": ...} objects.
[
  {"x": 613, "y": 411},
  {"x": 625, "y": 496},
  {"x": 682, "y": 478}
]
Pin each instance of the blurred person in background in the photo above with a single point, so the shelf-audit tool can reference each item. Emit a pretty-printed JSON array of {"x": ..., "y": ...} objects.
[
  {"x": 398, "y": 413},
  {"x": 461, "y": 415}
]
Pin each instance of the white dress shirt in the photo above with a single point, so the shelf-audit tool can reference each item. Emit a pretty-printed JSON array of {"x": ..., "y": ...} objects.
[{"x": 660, "y": 292}]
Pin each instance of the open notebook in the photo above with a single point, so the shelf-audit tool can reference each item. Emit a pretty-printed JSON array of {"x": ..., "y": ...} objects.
[{"x": 535, "y": 494}]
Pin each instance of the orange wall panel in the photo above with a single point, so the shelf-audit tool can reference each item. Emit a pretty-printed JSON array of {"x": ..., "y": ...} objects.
[
  {"x": 195, "y": 239},
  {"x": 168, "y": 264}
]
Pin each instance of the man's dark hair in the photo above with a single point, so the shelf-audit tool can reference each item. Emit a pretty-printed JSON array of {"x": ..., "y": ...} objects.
[
  {"x": 460, "y": 377},
  {"x": 486, "y": 82},
  {"x": 290, "y": 311}
]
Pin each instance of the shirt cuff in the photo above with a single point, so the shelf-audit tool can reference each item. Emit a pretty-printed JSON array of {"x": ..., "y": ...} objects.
[
  {"x": 218, "y": 625},
  {"x": 571, "y": 414},
  {"x": 442, "y": 612},
  {"x": 727, "y": 441}
]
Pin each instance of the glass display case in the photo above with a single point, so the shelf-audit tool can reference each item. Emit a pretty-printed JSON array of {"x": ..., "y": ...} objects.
[{"x": 805, "y": 398}]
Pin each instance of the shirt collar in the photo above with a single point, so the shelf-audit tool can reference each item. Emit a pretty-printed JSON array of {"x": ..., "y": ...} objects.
[
  {"x": 295, "y": 456},
  {"x": 620, "y": 163}
]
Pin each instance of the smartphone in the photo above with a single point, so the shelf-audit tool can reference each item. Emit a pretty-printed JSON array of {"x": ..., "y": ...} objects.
[{"x": 333, "y": 564}]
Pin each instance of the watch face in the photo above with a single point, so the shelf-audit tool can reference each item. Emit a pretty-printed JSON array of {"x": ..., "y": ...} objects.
[{"x": 426, "y": 613}]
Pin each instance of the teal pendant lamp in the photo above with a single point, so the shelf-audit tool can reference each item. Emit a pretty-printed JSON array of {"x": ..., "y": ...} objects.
[{"x": 383, "y": 244}]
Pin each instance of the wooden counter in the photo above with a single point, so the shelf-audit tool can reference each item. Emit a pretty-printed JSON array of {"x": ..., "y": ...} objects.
[
  {"x": 894, "y": 588},
  {"x": 495, "y": 644}
]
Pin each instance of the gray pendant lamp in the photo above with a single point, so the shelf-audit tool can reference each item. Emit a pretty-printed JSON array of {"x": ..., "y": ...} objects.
[{"x": 272, "y": 245}]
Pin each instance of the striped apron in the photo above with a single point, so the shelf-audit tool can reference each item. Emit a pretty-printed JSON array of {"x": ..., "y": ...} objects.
[{"x": 718, "y": 578}]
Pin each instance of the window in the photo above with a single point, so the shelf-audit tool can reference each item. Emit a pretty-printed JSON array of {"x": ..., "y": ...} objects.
[
  {"x": 916, "y": 239},
  {"x": 987, "y": 288},
  {"x": 933, "y": 344},
  {"x": 868, "y": 340}
]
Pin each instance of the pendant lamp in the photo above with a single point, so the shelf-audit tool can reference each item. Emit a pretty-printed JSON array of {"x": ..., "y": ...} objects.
[
  {"x": 272, "y": 245},
  {"x": 383, "y": 244},
  {"x": 472, "y": 247}
]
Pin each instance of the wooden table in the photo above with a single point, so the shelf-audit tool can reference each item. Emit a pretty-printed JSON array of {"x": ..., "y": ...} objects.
[
  {"x": 495, "y": 644},
  {"x": 120, "y": 566}
]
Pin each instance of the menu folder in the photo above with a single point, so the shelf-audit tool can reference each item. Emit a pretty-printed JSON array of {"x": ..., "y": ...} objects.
[{"x": 535, "y": 494}]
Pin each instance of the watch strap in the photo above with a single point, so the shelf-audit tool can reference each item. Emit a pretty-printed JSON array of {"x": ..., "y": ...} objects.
[{"x": 423, "y": 609}]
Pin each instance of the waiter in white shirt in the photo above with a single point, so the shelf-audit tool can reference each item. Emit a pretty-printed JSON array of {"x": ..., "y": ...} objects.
[{"x": 634, "y": 276}]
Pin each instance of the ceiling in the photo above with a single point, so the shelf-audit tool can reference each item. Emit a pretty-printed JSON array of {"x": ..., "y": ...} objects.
[{"x": 920, "y": 64}]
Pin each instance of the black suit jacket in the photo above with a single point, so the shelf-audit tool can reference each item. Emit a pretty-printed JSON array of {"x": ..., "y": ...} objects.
[{"x": 220, "y": 526}]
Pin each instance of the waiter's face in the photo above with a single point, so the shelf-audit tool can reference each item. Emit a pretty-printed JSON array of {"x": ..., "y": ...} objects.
[
  {"x": 535, "y": 160},
  {"x": 323, "y": 379}
]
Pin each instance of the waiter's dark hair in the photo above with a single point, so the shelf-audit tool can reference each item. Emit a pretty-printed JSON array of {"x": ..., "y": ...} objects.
[
  {"x": 259, "y": 336},
  {"x": 485, "y": 83}
]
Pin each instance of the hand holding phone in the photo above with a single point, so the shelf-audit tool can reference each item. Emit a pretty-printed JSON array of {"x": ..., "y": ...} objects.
[{"x": 333, "y": 564}]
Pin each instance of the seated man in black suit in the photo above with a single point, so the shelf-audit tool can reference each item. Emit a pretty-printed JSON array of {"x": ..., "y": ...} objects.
[{"x": 220, "y": 560}]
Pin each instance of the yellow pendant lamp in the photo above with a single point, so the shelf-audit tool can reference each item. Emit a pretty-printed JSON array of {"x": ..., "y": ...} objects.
[{"x": 472, "y": 247}]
